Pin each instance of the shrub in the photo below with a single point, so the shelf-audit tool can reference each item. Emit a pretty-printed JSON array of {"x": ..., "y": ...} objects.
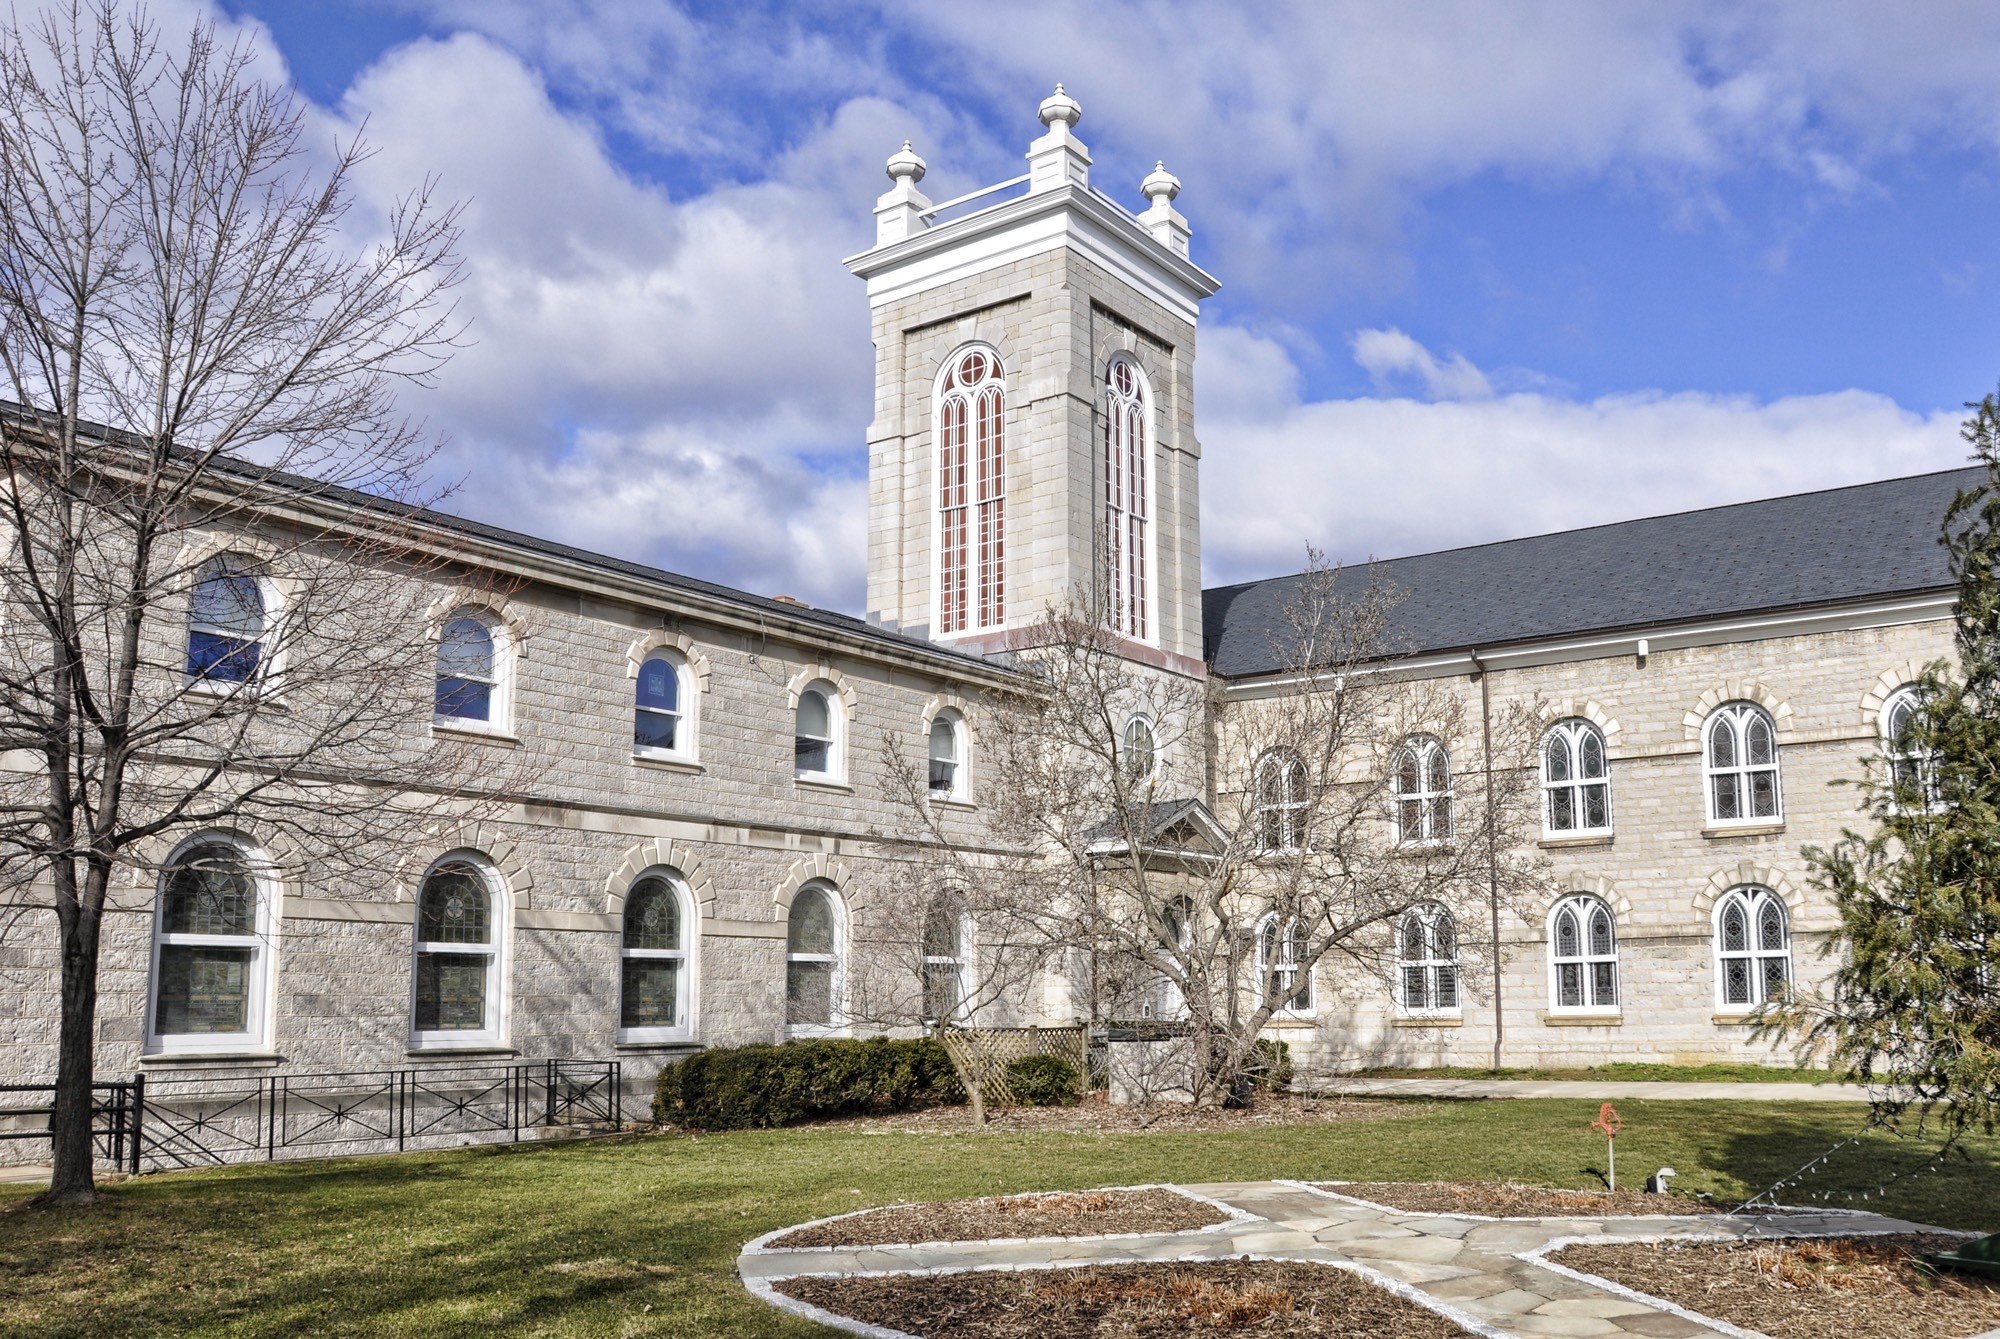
[
  {"x": 760, "y": 1087},
  {"x": 1045, "y": 1081},
  {"x": 1271, "y": 1063}
]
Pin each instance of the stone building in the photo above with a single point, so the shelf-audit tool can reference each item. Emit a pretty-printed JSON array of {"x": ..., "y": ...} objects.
[{"x": 699, "y": 846}]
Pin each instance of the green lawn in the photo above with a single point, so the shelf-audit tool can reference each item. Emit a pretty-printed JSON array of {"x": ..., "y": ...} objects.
[
  {"x": 1718, "y": 1073},
  {"x": 637, "y": 1236}
]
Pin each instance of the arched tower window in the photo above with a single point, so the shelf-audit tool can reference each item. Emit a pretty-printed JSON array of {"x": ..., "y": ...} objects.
[
  {"x": 972, "y": 493},
  {"x": 1128, "y": 442}
]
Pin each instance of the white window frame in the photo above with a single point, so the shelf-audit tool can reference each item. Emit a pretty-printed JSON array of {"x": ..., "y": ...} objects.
[
  {"x": 1736, "y": 718},
  {"x": 960, "y": 789},
  {"x": 837, "y": 1024},
  {"x": 1899, "y": 762},
  {"x": 496, "y": 949},
  {"x": 1151, "y": 775},
  {"x": 836, "y": 742},
  {"x": 262, "y": 977},
  {"x": 1271, "y": 800},
  {"x": 1428, "y": 960},
  {"x": 1125, "y": 416},
  {"x": 1586, "y": 959},
  {"x": 500, "y": 700},
  {"x": 684, "y": 694},
  {"x": 996, "y": 379},
  {"x": 684, "y": 991},
  {"x": 1571, "y": 735},
  {"x": 268, "y": 669},
  {"x": 1428, "y": 798},
  {"x": 1166, "y": 1000},
  {"x": 1287, "y": 940},
  {"x": 1751, "y": 900},
  {"x": 959, "y": 966}
]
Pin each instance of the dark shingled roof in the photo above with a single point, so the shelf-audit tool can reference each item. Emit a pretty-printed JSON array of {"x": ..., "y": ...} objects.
[{"x": 1809, "y": 549}]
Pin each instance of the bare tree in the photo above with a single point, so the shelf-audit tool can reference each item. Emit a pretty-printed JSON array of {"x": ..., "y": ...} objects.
[
  {"x": 1199, "y": 859},
  {"x": 216, "y": 616}
]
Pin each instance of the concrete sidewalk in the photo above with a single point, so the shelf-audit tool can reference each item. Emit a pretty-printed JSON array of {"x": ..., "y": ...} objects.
[
  {"x": 1592, "y": 1090},
  {"x": 29, "y": 1175}
]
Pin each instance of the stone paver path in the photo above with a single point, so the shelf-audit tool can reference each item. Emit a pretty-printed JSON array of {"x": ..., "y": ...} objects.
[
  {"x": 1485, "y": 1273},
  {"x": 1595, "y": 1091}
]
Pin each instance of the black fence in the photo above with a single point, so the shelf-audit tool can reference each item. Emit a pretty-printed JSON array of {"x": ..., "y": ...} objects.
[{"x": 160, "y": 1123}]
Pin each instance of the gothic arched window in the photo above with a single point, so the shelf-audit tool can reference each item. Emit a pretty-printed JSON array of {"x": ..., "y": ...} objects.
[
  {"x": 1421, "y": 779},
  {"x": 972, "y": 493},
  {"x": 1576, "y": 780},
  {"x": 1427, "y": 961},
  {"x": 1753, "y": 948},
  {"x": 1911, "y": 769},
  {"x": 1128, "y": 451},
  {"x": 1280, "y": 801},
  {"x": 1741, "y": 752},
  {"x": 1583, "y": 954}
]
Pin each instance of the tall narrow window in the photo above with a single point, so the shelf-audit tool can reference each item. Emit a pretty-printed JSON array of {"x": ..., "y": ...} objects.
[
  {"x": 1165, "y": 998},
  {"x": 972, "y": 494},
  {"x": 657, "y": 725},
  {"x": 468, "y": 671},
  {"x": 1576, "y": 781},
  {"x": 227, "y": 622},
  {"x": 1912, "y": 770},
  {"x": 1421, "y": 779},
  {"x": 1583, "y": 954},
  {"x": 1281, "y": 954},
  {"x": 947, "y": 757},
  {"x": 1280, "y": 802},
  {"x": 1741, "y": 750},
  {"x": 653, "y": 979},
  {"x": 944, "y": 965},
  {"x": 812, "y": 960},
  {"x": 1753, "y": 948},
  {"x": 1127, "y": 499},
  {"x": 816, "y": 736},
  {"x": 1139, "y": 751},
  {"x": 1427, "y": 962},
  {"x": 457, "y": 994},
  {"x": 209, "y": 952}
]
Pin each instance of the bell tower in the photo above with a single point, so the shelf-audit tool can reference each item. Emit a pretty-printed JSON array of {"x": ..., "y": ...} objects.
[{"x": 1034, "y": 436}]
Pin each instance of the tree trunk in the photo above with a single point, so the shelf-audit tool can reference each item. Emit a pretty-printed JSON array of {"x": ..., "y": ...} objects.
[{"x": 74, "y": 1181}]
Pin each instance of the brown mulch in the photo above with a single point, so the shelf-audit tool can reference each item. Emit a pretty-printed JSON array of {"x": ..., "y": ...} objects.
[
  {"x": 1268, "y": 1299},
  {"x": 1094, "y": 1116},
  {"x": 1831, "y": 1288},
  {"x": 1512, "y": 1201},
  {"x": 1087, "y": 1213}
]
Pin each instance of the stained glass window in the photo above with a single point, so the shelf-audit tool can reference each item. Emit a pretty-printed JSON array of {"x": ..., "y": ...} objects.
[
  {"x": 1753, "y": 950},
  {"x": 1576, "y": 780},
  {"x": 455, "y": 951},
  {"x": 654, "y": 957},
  {"x": 1742, "y": 771},
  {"x": 209, "y": 947},
  {"x": 1583, "y": 954}
]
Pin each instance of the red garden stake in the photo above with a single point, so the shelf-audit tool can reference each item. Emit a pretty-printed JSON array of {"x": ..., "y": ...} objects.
[{"x": 1608, "y": 1121}]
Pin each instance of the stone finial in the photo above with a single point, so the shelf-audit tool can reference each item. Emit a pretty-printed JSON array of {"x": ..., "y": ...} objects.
[
  {"x": 1158, "y": 183},
  {"x": 1060, "y": 106},
  {"x": 1161, "y": 219},
  {"x": 905, "y": 165}
]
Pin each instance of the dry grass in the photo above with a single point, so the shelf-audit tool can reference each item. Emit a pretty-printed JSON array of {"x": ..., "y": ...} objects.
[
  {"x": 1095, "y": 1116},
  {"x": 1506, "y": 1200},
  {"x": 1088, "y": 1213}
]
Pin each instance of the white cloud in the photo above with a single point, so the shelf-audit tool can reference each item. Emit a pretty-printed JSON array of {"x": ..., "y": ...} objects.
[
  {"x": 1386, "y": 354},
  {"x": 1382, "y": 477}
]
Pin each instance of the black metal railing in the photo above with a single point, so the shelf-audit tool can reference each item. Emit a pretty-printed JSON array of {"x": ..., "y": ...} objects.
[{"x": 193, "y": 1121}]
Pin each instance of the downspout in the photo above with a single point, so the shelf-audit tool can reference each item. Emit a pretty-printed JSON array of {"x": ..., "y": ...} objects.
[{"x": 1492, "y": 852}]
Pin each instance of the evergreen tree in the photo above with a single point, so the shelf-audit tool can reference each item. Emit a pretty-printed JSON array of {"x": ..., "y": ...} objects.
[{"x": 1915, "y": 1005}]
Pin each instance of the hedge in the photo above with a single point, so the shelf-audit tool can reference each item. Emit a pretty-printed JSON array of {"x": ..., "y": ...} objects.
[
  {"x": 1045, "y": 1081},
  {"x": 760, "y": 1087}
]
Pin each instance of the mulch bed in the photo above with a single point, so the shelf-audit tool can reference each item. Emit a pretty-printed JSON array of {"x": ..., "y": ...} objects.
[
  {"x": 1511, "y": 1201},
  {"x": 1830, "y": 1288},
  {"x": 1095, "y": 1116},
  {"x": 1268, "y": 1299},
  {"x": 1088, "y": 1213}
]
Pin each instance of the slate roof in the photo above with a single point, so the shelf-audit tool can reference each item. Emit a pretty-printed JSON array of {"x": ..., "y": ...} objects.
[{"x": 1868, "y": 540}]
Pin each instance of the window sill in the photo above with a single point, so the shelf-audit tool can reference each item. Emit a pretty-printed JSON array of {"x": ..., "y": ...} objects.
[
  {"x": 504, "y": 738},
  {"x": 244, "y": 691},
  {"x": 1598, "y": 1019},
  {"x": 667, "y": 762},
  {"x": 656, "y": 1044},
  {"x": 1743, "y": 1019},
  {"x": 1290, "y": 1022},
  {"x": 261, "y": 1059},
  {"x": 1427, "y": 1020},
  {"x": 823, "y": 783},
  {"x": 952, "y": 802},
  {"x": 813, "y": 1031},
  {"x": 1581, "y": 839},
  {"x": 418, "y": 1050},
  {"x": 1726, "y": 830}
]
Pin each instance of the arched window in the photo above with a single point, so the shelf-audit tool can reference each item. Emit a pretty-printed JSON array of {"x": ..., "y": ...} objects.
[
  {"x": 653, "y": 974},
  {"x": 457, "y": 987},
  {"x": 1139, "y": 751},
  {"x": 947, "y": 756},
  {"x": 1281, "y": 953},
  {"x": 228, "y": 622},
  {"x": 816, "y": 735},
  {"x": 1280, "y": 801},
  {"x": 1128, "y": 459},
  {"x": 471, "y": 689},
  {"x": 813, "y": 960},
  {"x": 944, "y": 964},
  {"x": 1741, "y": 749},
  {"x": 1911, "y": 770},
  {"x": 1753, "y": 948},
  {"x": 1576, "y": 781},
  {"x": 1421, "y": 778},
  {"x": 659, "y": 724},
  {"x": 1583, "y": 954},
  {"x": 1427, "y": 962},
  {"x": 972, "y": 493},
  {"x": 1176, "y": 930},
  {"x": 211, "y": 954}
]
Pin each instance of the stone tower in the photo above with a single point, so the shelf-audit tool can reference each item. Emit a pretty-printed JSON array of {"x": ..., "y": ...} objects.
[{"x": 1034, "y": 419}]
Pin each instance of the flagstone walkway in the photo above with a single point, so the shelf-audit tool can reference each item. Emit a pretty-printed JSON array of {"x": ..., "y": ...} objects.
[{"x": 1487, "y": 1274}]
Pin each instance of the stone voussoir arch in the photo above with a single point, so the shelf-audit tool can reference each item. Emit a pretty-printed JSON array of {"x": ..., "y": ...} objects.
[
  {"x": 662, "y": 852},
  {"x": 1885, "y": 686},
  {"x": 489, "y": 602},
  {"x": 1745, "y": 690},
  {"x": 1597, "y": 886},
  {"x": 276, "y": 857},
  {"x": 481, "y": 839},
  {"x": 820, "y": 868},
  {"x": 1749, "y": 873},
  {"x": 948, "y": 702},
  {"x": 664, "y": 639},
  {"x": 1582, "y": 708},
  {"x": 820, "y": 672}
]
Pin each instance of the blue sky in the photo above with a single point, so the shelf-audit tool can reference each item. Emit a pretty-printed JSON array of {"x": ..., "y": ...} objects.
[{"x": 1489, "y": 268}]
